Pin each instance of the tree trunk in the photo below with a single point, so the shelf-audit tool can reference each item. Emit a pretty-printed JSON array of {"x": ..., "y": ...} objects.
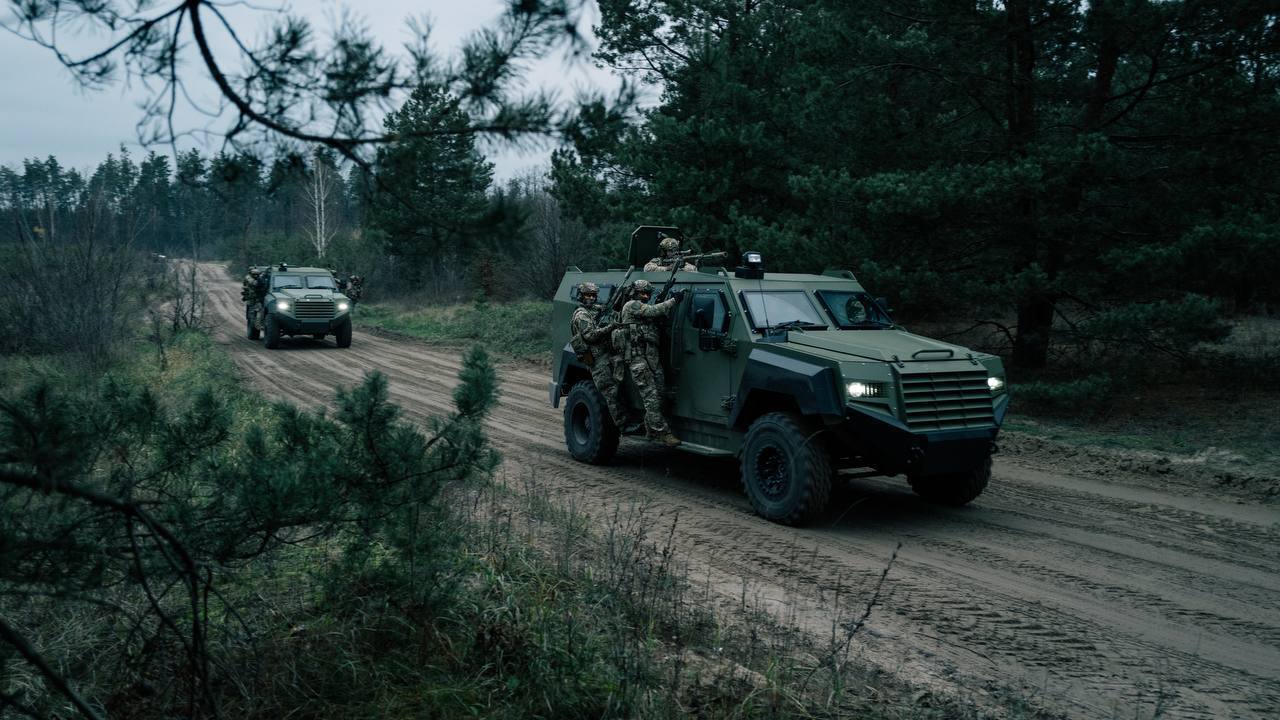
[{"x": 1035, "y": 309}]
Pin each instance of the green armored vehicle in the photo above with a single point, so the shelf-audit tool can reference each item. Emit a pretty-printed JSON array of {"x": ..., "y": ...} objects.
[
  {"x": 301, "y": 301},
  {"x": 798, "y": 377}
]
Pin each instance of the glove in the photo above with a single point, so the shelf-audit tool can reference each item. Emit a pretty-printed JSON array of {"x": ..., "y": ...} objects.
[{"x": 680, "y": 294}]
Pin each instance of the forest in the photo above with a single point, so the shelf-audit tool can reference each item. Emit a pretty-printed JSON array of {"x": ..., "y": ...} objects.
[
  {"x": 1065, "y": 180},
  {"x": 1088, "y": 189}
]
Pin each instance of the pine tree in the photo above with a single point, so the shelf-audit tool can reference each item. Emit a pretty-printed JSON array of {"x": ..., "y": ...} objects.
[{"x": 429, "y": 191}]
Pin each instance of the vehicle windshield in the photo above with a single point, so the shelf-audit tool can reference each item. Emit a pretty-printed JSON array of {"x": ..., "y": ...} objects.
[
  {"x": 772, "y": 308},
  {"x": 853, "y": 310},
  {"x": 286, "y": 282},
  {"x": 321, "y": 282}
]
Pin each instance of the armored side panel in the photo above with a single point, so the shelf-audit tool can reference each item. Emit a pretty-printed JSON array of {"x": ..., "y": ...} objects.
[{"x": 644, "y": 243}]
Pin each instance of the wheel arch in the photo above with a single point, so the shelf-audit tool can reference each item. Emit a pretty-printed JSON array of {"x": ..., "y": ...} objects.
[
  {"x": 773, "y": 382},
  {"x": 569, "y": 373}
]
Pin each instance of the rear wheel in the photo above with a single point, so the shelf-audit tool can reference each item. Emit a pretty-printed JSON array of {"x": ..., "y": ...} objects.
[
  {"x": 786, "y": 470},
  {"x": 589, "y": 432},
  {"x": 953, "y": 488},
  {"x": 343, "y": 335},
  {"x": 271, "y": 329}
]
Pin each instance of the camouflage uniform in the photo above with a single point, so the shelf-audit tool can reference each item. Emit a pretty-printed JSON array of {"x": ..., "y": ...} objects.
[
  {"x": 592, "y": 343},
  {"x": 641, "y": 356},
  {"x": 667, "y": 261},
  {"x": 252, "y": 290},
  {"x": 355, "y": 288}
]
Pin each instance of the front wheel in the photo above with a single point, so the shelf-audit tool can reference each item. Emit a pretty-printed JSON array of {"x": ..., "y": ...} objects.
[
  {"x": 786, "y": 470},
  {"x": 343, "y": 335},
  {"x": 589, "y": 432},
  {"x": 953, "y": 488},
  {"x": 271, "y": 331}
]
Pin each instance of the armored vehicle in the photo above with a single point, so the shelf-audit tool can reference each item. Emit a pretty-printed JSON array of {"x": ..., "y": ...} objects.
[
  {"x": 798, "y": 377},
  {"x": 301, "y": 301}
]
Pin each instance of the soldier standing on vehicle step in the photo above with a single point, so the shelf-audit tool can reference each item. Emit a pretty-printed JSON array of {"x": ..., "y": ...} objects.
[
  {"x": 252, "y": 290},
  {"x": 591, "y": 343},
  {"x": 668, "y": 247},
  {"x": 640, "y": 323}
]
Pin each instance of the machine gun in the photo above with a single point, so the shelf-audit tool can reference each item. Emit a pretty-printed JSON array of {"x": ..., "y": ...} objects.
[{"x": 678, "y": 259}]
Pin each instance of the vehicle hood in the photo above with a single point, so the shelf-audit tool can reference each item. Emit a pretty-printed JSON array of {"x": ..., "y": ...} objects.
[{"x": 886, "y": 345}]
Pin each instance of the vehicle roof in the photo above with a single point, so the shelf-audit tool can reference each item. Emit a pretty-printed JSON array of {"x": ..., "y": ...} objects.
[
  {"x": 303, "y": 270},
  {"x": 770, "y": 281}
]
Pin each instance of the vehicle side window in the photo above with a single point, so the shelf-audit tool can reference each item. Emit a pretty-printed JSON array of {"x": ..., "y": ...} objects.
[{"x": 720, "y": 318}]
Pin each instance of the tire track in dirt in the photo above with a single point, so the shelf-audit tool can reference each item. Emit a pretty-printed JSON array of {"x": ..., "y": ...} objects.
[{"x": 1100, "y": 600}]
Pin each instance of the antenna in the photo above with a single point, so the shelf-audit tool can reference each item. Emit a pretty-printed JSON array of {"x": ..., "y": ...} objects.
[{"x": 764, "y": 304}]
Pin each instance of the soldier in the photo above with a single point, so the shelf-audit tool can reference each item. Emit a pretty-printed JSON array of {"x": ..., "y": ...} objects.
[
  {"x": 252, "y": 290},
  {"x": 354, "y": 288},
  {"x": 668, "y": 247},
  {"x": 639, "y": 320},
  {"x": 248, "y": 284},
  {"x": 591, "y": 343}
]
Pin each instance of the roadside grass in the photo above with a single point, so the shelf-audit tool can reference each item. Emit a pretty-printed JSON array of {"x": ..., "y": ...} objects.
[{"x": 513, "y": 331}]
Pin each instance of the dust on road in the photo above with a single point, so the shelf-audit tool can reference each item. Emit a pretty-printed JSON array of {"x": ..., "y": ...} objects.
[{"x": 1096, "y": 598}]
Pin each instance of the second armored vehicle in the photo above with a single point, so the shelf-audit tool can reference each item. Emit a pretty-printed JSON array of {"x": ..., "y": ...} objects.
[{"x": 302, "y": 301}]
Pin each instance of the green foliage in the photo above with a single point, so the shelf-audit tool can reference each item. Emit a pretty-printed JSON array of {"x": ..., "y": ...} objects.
[
  {"x": 1122, "y": 163},
  {"x": 518, "y": 330},
  {"x": 143, "y": 491},
  {"x": 431, "y": 182},
  {"x": 1091, "y": 392}
]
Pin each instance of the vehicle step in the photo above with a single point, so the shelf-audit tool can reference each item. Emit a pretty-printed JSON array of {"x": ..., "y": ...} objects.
[{"x": 704, "y": 450}]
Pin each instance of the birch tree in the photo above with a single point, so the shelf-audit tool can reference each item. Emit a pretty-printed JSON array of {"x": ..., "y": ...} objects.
[{"x": 322, "y": 193}]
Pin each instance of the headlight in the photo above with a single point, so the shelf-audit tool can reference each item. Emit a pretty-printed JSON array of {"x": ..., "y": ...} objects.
[
  {"x": 282, "y": 305},
  {"x": 996, "y": 384},
  {"x": 342, "y": 306},
  {"x": 865, "y": 390}
]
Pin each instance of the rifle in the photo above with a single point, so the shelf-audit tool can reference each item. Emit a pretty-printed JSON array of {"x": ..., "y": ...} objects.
[
  {"x": 617, "y": 299},
  {"x": 677, "y": 262}
]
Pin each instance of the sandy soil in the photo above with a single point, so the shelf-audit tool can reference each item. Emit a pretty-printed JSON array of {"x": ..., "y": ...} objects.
[{"x": 1093, "y": 596}]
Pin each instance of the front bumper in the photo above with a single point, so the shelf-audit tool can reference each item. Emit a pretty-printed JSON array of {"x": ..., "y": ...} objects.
[
  {"x": 878, "y": 440},
  {"x": 293, "y": 326}
]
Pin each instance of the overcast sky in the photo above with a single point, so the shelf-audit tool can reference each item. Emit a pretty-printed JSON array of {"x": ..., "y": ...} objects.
[{"x": 45, "y": 113}]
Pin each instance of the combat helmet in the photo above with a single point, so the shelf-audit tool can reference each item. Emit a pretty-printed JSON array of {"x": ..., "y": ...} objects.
[
  {"x": 642, "y": 287},
  {"x": 668, "y": 245}
]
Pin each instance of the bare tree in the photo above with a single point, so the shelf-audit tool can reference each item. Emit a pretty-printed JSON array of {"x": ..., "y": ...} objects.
[
  {"x": 554, "y": 241},
  {"x": 320, "y": 188}
]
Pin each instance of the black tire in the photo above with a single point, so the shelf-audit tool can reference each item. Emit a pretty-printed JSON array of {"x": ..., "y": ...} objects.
[
  {"x": 953, "y": 489},
  {"x": 786, "y": 470},
  {"x": 271, "y": 332},
  {"x": 251, "y": 329},
  {"x": 589, "y": 432},
  {"x": 343, "y": 335}
]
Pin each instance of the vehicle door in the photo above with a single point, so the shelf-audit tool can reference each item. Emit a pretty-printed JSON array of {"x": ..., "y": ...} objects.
[{"x": 704, "y": 354}]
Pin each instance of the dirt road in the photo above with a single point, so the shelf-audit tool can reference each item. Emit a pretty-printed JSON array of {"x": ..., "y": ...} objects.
[{"x": 1097, "y": 599}]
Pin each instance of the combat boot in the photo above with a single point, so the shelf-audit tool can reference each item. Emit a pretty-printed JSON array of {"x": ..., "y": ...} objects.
[{"x": 667, "y": 439}]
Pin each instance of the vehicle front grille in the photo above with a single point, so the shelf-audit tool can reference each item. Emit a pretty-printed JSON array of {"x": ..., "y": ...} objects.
[
  {"x": 947, "y": 400},
  {"x": 313, "y": 309}
]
